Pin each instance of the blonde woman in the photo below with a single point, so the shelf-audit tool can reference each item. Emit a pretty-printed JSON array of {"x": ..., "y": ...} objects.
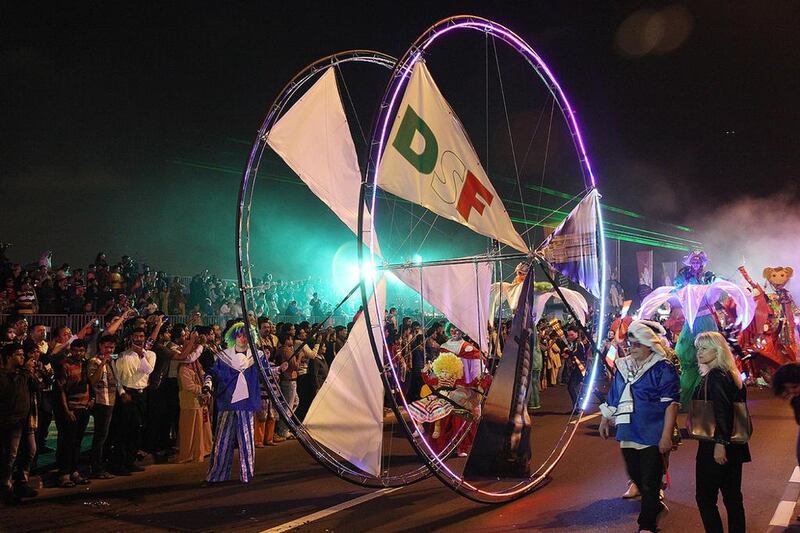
[{"x": 718, "y": 464}]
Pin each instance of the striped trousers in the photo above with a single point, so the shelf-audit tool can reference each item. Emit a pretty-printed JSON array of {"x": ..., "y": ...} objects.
[{"x": 233, "y": 427}]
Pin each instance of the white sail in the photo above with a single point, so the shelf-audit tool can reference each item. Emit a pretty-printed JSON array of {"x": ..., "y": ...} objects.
[
  {"x": 347, "y": 412},
  {"x": 460, "y": 292},
  {"x": 314, "y": 139},
  {"x": 430, "y": 161}
]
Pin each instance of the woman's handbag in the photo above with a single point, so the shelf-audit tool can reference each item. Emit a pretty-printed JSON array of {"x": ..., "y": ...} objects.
[{"x": 701, "y": 422}]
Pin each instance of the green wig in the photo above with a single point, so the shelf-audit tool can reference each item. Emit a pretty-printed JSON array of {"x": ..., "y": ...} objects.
[{"x": 236, "y": 329}]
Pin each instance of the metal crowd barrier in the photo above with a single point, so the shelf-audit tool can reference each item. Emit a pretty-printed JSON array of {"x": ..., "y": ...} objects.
[{"x": 77, "y": 322}]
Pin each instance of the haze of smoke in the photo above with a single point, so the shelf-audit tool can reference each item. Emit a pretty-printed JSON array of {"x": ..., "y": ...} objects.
[{"x": 756, "y": 233}]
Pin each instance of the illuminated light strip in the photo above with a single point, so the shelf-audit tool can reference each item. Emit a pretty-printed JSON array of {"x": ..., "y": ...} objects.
[
  {"x": 388, "y": 112},
  {"x": 599, "y": 330}
]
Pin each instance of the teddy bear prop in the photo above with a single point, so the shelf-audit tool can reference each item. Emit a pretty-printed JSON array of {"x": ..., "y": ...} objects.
[{"x": 772, "y": 335}]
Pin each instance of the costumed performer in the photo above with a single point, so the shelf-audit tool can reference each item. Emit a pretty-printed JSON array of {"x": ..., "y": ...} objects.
[
  {"x": 446, "y": 395},
  {"x": 234, "y": 376},
  {"x": 194, "y": 424},
  {"x": 469, "y": 355},
  {"x": 502, "y": 291},
  {"x": 693, "y": 273},
  {"x": 783, "y": 311},
  {"x": 643, "y": 403}
]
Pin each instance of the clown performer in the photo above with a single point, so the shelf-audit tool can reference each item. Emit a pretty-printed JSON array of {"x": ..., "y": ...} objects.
[
  {"x": 469, "y": 355},
  {"x": 693, "y": 273},
  {"x": 448, "y": 393},
  {"x": 234, "y": 377}
]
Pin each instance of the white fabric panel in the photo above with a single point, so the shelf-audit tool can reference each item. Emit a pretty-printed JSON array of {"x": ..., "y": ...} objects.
[
  {"x": 575, "y": 300},
  {"x": 460, "y": 292},
  {"x": 448, "y": 171},
  {"x": 500, "y": 292},
  {"x": 693, "y": 298},
  {"x": 512, "y": 291},
  {"x": 314, "y": 139},
  {"x": 347, "y": 412},
  {"x": 654, "y": 300}
]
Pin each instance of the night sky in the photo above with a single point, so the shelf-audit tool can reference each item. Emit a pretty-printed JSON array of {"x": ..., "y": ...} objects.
[{"x": 126, "y": 125}]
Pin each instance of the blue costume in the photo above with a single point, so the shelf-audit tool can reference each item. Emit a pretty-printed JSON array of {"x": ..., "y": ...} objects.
[
  {"x": 644, "y": 387},
  {"x": 237, "y": 397},
  {"x": 639, "y": 413}
]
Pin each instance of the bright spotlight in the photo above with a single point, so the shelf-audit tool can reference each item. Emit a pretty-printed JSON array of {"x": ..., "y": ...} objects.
[
  {"x": 417, "y": 259},
  {"x": 368, "y": 271}
]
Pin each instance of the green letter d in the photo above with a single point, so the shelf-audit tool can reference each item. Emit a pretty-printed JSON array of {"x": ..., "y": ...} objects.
[{"x": 426, "y": 161}]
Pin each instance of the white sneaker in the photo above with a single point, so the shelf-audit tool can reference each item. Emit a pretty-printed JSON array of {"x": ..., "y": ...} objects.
[
  {"x": 462, "y": 454},
  {"x": 632, "y": 492}
]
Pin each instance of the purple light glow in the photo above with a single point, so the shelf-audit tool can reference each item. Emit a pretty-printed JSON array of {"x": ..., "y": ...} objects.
[{"x": 404, "y": 68}]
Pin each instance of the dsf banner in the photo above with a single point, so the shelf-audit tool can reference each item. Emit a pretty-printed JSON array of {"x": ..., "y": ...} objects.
[{"x": 430, "y": 161}]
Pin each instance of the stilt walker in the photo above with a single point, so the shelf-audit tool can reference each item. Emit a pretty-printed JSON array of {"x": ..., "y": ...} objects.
[
  {"x": 234, "y": 380},
  {"x": 693, "y": 273}
]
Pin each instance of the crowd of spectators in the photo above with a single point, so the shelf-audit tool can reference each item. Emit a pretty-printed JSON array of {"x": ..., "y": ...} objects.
[
  {"x": 104, "y": 287},
  {"x": 139, "y": 379},
  {"x": 131, "y": 371}
]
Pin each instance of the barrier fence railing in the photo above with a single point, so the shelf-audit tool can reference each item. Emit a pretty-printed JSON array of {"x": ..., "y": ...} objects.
[{"x": 77, "y": 322}]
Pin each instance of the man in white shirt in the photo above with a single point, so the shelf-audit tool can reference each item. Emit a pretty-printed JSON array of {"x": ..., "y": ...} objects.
[{"x": 132, "y": 369}]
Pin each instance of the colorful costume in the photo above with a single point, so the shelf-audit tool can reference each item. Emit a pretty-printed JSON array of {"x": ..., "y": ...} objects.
[
  {"x": 693, "y": 274},
  {"x": 469, "y": 355},
  {"x": 449, "y": 396},
  {"x": 772, "y": 335},
  {"x": 235, "y": 376},
  {"x": 696, "y": 291}
]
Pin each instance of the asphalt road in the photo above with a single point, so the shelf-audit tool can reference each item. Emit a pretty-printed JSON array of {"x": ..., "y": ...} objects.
[{"x": 583, "y": 494}]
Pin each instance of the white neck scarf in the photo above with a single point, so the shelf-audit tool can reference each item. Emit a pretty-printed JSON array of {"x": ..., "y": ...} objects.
[
  {"x": 240, "y": 362},
  {"x": 631, "y": 373}
]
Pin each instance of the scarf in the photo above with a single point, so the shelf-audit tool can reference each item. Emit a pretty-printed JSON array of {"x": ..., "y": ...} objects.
[
  {"x": 631, "y": 374},
  {"x": 238, "y": 361}
]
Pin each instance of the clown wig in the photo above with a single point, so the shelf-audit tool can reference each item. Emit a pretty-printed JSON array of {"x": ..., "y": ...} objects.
[{"x": 450, "y": 363}]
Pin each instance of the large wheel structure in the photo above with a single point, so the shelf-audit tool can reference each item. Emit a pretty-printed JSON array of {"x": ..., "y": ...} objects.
[
  {"x": 446, "y": 467},
  {"x": 246, "y": 243}
]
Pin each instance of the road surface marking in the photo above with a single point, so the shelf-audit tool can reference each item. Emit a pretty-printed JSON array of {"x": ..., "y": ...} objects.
[
  {"x": 585, "y": 418},
  {"x": 329, "y": 511},
  {"x": 785, "y": 510}
]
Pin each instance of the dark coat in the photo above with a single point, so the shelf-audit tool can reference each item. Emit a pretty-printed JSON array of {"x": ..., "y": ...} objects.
[
  {"x": 722, "y": 392},
  {"x": 15, "y": 397}
]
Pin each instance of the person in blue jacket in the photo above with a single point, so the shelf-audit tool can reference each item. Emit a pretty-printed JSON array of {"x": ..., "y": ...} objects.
[
  {"x": 643, "y": 404},
  {"x": 234, "y": 381}
]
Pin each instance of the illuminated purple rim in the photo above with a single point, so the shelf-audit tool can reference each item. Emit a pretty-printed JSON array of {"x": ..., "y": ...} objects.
[{"x": 386, "y": 112}]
